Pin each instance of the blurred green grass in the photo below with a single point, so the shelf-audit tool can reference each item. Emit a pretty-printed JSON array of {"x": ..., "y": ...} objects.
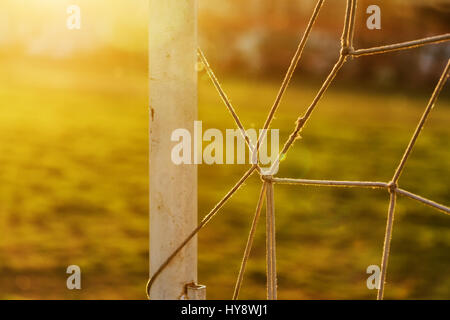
[{"x": 73, "y": 188}]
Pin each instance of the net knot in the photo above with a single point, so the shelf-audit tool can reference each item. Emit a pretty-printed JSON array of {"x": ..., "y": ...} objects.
[
  {"x": 347, "y": 50},
  {"x": 300, "y": 122},
  {"x": 392, "y": 187},
  {"x": 267, "y": 178}
]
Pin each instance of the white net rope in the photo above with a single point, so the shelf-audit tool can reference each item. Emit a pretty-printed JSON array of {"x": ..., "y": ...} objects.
[{"x": 347, "y": 52}]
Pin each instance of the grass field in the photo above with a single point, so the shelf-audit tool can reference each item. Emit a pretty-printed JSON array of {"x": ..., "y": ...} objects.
[{"x": 73, "y": 188}]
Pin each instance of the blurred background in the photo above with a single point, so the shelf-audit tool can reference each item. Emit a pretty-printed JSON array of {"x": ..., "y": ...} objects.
[{"x": 74, "y": 147}]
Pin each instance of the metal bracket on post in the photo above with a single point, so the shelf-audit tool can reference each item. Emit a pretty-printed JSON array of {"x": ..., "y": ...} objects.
[{"x": 195, "y": 291}]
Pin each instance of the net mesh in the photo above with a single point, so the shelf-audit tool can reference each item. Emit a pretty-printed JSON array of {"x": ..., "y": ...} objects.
[{"x": 347, "y": 52}]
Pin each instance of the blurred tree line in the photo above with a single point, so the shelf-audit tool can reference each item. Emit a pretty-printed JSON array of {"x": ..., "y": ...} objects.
[
  {"x": 259, "y": 37},
  {"x": 251, "y": 37}
]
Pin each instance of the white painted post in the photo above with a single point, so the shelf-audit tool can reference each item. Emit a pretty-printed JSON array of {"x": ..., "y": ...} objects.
[{"x": 173, "y": 105}]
